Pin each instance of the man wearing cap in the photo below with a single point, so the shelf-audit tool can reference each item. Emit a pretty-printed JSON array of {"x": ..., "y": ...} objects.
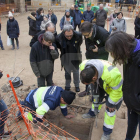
[
  {"x": 109, "y": 81},
  {"x": 43, "y": 99},
  {"x": 88, "y": 15},
  {"x": 78, "y": 17}
]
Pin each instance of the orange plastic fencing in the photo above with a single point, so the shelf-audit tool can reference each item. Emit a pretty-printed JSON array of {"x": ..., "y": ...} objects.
[
  {"x": 39, "y": 131},
  {"x": 21, "y": 130}
]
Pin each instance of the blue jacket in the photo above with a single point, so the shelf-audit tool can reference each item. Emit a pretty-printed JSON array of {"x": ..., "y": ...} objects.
[
  {"x": 12, "y": 28},
  {"x": 53, "y": 19},
  {"x": 39, "y": 19},
  {"x": 117, "y": 1},
  {"x": 88, "y": 16},
  {"x": 51, "y": 98},
  {"x": 63, "y": 20},
  {"x": 78, "y": 17}
]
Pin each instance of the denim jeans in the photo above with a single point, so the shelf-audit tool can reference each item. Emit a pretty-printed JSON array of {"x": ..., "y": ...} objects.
[
  {"x": 133, "y": 121},
  {"x": 1, "y": 44},
  {"x": 110, "y": 30},
  {"x": 3, "y": 116}
]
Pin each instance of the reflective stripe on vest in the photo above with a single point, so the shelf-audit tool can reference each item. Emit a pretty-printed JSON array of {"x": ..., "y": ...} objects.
[
  {"x": 63, "y": 106},
  {"x": 111, "y": 114},
  {"x": 114, "y": 103},
  {"x": 111, "y": 68},
  {"x": 118, "y": 86},
  {"x": 39, "y": 96}
]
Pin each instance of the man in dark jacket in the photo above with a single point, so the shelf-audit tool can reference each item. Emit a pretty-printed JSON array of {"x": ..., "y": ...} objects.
[
  {"x": 88, "y": 15},
  {"x": 69, "y": 42},
  {"x": 49, "y": 27},
  {"x": 101, "y": 16},
  {"x": 72, "y": 13},
  {"x": 78, "y": 17},
  {"x": 42, "y": 56},
  {"x": 95, "y": 38}
]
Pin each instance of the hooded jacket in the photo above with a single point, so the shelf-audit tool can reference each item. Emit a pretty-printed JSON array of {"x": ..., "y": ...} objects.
[
  {"x": 76, "y": 41},
  {"x": 32, "y": 25},
  {"x": 101, "y": 16},
  {"x": 109, "y": 80},
  {"x": 43, "y": 24},
  {"x": 12, "y": 28},
  {"x": 120, "y": 24},
  {"x": 131, "y": 86},
  {"x": 42, "y": 58},
  {"x": 99, "y": 37},
  {"x": 62, "y": 22}
]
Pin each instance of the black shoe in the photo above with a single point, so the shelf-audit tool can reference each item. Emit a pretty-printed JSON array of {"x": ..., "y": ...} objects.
[
  {"x": 2, "y": 48},
  {"x": 67, "y": 88},
  {"x": 77, "y": 89}
]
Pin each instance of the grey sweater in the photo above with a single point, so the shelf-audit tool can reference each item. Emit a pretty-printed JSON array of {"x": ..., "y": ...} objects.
[
  {"x": 43, "y": 24},
  {"x": 120, "y": 24}
]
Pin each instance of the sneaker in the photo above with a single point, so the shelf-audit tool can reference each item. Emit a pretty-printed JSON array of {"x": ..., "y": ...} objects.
[
  {"x": 86, "y": 116},
  {"x": 105, "y": 137},
  {"x": 82, "y": 94},
  {"x": 17, "y": 47},
  {"x": 77, "y": 89}
]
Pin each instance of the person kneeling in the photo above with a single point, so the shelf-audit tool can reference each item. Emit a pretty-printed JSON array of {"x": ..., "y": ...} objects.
[{"x": 43, "y": 99}]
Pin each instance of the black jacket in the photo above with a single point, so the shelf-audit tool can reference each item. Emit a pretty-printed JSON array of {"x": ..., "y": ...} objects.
[
  {"x": 76, "y": 43},
  {"x": 72, "y": 14},
  {"x": 12, "y": 28},
  {"x": 35, "y": 38},
  {"x": 42, "y": 58},
  {"x": 99, "y": 37},
  {"x": 137, "y": 23},
  {"x": 131, "y": 84},
  {"x": 32, "y": 25}
]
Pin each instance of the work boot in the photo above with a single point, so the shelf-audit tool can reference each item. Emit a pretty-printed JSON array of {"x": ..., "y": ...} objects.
[
  {"x": 82, "y": 94},
  {"x": 77, "y": 89},
  {"x": 105, "y": 137}
]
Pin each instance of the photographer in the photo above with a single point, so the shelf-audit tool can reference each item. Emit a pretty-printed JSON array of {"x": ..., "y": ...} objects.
[{"x": 95, "y": 38}]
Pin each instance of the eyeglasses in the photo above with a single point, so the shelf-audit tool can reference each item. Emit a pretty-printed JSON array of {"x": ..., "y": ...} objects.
[
  {"x": 87, "y": 35},
  {"x": 68, "y": 36}
]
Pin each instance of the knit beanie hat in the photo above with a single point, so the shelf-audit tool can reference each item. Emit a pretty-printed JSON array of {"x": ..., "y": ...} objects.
[
  {"x": 10, "y": 14},
  {"x": 67, "y": 11},
  {"x": 68, "y": 96}
]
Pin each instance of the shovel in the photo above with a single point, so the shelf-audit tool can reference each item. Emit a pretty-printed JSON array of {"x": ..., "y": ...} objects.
[{"x": 5, "y": 88}]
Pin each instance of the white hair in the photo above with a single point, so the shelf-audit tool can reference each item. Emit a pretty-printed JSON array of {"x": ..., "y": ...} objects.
[
  {"x": 101, "y": 5},
  {"x": 68, "y": 28}
]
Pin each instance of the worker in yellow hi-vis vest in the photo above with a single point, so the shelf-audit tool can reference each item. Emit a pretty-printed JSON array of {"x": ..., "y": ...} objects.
[{"x": 109, "y": 81}]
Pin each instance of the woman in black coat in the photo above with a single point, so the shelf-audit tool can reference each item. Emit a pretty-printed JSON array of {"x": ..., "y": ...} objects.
[
  {"x": 13, "y": 30},
  {"x": 137, "y": 26},
  {"x": 125, "y": 49},
  {"x": 39, "y": 18},
  {"x": 52, "y": 17},
  {"x": 32, "y": 24}
]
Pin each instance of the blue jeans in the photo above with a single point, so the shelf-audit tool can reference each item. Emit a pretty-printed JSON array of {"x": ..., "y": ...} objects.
[
  {"x": 1, "y": 44},
  {"x": 4, "y": 113},
  {"x": 133, "y": 121}
]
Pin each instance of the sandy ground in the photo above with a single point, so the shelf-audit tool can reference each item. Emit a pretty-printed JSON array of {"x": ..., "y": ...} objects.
[{"x": 13, "y": 62}]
